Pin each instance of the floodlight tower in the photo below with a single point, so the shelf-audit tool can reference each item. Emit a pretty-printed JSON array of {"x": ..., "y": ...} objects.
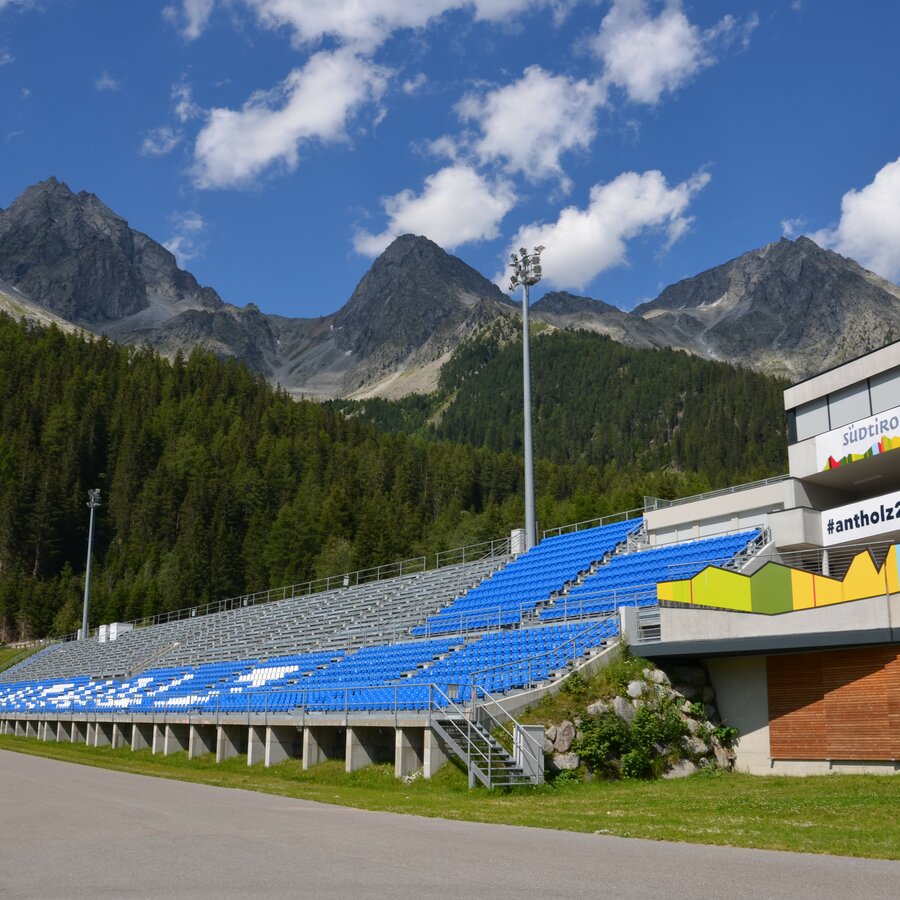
[
  {"x": 526, "y": 271},
  {"x": 93, "y": 503}
]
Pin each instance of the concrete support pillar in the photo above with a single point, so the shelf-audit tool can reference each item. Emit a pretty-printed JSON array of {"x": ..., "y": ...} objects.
[
  {"x": 230, "y": 740},
  {"x": 409, "y": 750},
  {"x": 282, "y": 742},
  {"x": 47, "y": 730},
  {"x": 31, "y": 728},
  {"x": 256, "y": 744},
  {"x": 202, "y": 740},
  {"x": 159, "y": 738},
  {"x": 121, "y": 735},
  {"x": 64, "y": 732},
  {"x": 102, "y": 734},
  {"x": 80, "y": 731},
  {"x": 20, "y": 728},
  {"x": 141, "y": 736},
  {"x": 321, "y": 742},
  {"x": 5, "y": 726},
  {"x": 360, "y": 752},
  {"x": 365, "y": 746},
  {"x": 176, "y": 738},
  {"x": 435, "y": 753}
]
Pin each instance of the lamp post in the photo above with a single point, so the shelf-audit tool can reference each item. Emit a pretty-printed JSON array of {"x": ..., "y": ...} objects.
[
  {"x": 526, "y": 271},
  {"x": 93, "y": 503}
]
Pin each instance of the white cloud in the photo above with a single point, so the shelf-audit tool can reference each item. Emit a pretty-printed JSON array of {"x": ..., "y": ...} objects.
[
  {"x": 584, "y": 242},
  {"x": 107, "y": 83},
  {"x": 368, "y": 23},
  {"x": 6, "y": 58},
  {"x": 869, "y": 227},
  {"x": 647, "y": 55},
  {"x": 416, "y": 84},
  {"x": 312, "y": 103},
  {"x": 457, "y": 206},
  {"x": 792, "y": 227},
  {"x": 183, "y": 98},
  {"x": 160, "y": 141},
  {"x": 191, "y": 19},
  {"x": 187, "y": 242},
  {"x": 529, "y": 124}
]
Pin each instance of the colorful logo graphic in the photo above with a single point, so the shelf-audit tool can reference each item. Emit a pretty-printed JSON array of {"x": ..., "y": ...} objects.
[{"x": 883, "y": 446}]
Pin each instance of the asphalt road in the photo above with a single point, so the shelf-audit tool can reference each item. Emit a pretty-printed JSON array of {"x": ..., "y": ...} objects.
[{"x": 72, "y": 831}]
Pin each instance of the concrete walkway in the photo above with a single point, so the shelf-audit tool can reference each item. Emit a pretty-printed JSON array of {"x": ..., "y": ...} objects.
[{"x": 78, "y": 832}]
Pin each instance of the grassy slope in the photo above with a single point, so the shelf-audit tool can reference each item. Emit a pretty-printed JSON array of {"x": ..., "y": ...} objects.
[
  {"x": 846, "y": 815},
  {"x": 10, "y": 656}
]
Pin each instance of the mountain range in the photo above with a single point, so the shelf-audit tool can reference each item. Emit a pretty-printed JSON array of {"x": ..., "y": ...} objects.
[{"x": 790, "y": 308}]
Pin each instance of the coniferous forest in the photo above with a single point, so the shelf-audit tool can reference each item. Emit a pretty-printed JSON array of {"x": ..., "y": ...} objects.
[
  {"x": 599, "y": 402},
  {"x": 215, "y": 484}
]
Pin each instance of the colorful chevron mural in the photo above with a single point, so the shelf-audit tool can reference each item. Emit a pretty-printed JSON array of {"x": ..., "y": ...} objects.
[
  {"x": 883, "y": 446},
  {"x": 776, "y": 588}
]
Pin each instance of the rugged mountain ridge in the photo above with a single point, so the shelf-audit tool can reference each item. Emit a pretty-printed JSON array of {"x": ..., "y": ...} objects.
[
  {"x": 570, "y": 311},
  {"x": 789, "y": 308},
  {"x": 75, "y": 257}
]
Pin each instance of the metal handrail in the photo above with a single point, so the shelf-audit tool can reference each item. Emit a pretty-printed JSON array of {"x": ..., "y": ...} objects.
[
  {"x": 481, "y": 709},
  {"x": 654, "y": 503},
  {"x": 592, "y": 523},
  {"x": 490, "y": 670},
  {"x": 415, "y": 565},
  {"x": 471, "y": 553}
]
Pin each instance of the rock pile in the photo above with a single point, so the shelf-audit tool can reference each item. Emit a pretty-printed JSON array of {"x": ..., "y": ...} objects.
[{"x": 687, "y": 687}]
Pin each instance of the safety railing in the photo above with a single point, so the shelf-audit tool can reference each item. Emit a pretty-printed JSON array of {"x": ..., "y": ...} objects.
[
  {"x": 593, "y": 523},
  {"x": 592, "y": 637},
  {"x": 318, "y": 701},
  {"x": 416, "y": 565},
  {"x": 471, "y": 553},
  {"x": 653, "y": 503}
]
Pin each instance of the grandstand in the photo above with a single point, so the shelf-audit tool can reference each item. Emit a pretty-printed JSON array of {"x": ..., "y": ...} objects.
[
  {"x": 768, "y": 585},
  {"x": 437, "y": 643}
]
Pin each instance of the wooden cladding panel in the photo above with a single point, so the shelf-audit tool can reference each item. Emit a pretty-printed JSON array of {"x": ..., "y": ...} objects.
[
  {"x": 796, "y": 706},
  {"x": 835, "y": 704}
]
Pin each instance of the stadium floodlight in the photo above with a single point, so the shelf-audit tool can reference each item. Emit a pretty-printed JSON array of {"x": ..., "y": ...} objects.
[
  {"x": 93, "y": 503},
  {"x": 527, "y": 271}
]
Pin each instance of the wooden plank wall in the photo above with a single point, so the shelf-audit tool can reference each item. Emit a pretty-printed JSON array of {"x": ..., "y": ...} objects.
[{"x": 835, "y": 704}]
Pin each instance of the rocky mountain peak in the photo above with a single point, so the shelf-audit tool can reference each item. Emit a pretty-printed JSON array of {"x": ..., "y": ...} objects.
[
  {"x": 790, "y": 308},
  {"x": 411, "y": 292},
  {"x": 74, "y": 256},
  {"x": 562, "y": 302}
]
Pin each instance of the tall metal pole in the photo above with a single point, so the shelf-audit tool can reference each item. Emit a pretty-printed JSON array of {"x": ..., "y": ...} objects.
[
  {"x": 528, "y": 443},
  {"x": 526, "y": 272},
  {"x": 93, "y": 503}
]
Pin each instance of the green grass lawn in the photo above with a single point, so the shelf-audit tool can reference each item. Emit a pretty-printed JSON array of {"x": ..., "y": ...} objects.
[
  {"x": 9, "y": 656},
  {"x": 839, "y": 814}
]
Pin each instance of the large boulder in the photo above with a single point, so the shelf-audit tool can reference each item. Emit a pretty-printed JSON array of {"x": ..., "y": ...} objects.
[
  {"x": 656, "y": 676},
  {"x": 550, "y": 733},
  {"x": 597, "y": 708},
  {"x": 695, "y": 745},
  {"x": 635, "y": 689},
  {"x": 694, "y": 675},
  {"x": 565, "y": 761},
  {"x": 565, "y": 735},
  {"x": 681, "y": 769},
  {"x": 688, "y": 691},
  {"x": 623, "y": 709}
]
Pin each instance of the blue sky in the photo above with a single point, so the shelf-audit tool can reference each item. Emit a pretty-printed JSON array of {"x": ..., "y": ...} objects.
[{"x": 276, "y": 146}]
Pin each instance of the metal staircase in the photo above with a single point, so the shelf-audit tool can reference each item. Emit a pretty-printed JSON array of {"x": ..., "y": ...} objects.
[
  {"x": 469, "y": 735},
  {"x": 483, "y": 756}
]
